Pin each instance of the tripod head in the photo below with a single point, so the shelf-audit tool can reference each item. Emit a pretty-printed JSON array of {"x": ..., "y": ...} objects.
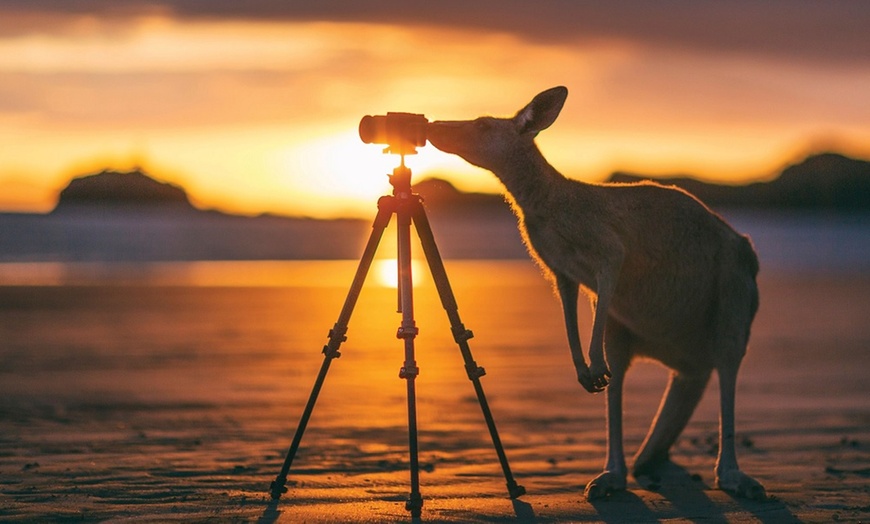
[{"x": 403, "y": 133}]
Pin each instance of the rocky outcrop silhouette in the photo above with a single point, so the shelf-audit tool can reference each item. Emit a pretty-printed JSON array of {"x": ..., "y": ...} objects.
[
  {"x": 828, "y": 181},
  {"x": 114, "y": 190}
]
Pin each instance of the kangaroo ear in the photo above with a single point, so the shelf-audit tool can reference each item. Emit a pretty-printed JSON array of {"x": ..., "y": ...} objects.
[{"x": 541, "y": 111}]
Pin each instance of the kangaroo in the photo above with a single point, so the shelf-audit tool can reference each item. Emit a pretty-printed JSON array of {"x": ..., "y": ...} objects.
[{"x": 667, "y": 277}]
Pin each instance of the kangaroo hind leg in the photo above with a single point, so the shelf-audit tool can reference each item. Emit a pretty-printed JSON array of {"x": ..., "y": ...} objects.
[
  {"x": 679, "y": 401},
  {"x": 738, "y": 305},
  {"x": 728, "y": 475}
]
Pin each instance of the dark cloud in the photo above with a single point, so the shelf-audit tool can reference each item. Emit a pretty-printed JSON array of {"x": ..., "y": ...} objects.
[{"x": 834, "y": 31}]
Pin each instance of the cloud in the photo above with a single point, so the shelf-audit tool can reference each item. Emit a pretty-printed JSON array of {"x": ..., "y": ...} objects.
[{"x": 792, "y": 30}]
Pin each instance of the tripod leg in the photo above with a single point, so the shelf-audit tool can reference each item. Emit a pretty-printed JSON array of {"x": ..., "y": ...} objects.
[
  {"x": 336, "y": 337},
  {"x": 408, "y": 332},
  {"x": 461, "y": 336}
]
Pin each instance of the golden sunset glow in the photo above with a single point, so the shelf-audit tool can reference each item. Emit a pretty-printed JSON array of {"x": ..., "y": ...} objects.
[{"x": 252, "y": 114}]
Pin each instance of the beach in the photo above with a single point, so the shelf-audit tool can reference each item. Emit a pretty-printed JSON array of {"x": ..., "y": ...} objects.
[{"x": 172, "y": 393}]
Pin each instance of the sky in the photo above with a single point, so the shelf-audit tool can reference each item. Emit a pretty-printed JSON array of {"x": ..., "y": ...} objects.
[{"x": 253, "y": 107}]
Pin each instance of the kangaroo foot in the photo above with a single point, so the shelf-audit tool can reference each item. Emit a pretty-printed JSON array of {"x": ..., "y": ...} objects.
[
  {"x": 605, "y": 484},
  {"x": 740, "y": 485}
]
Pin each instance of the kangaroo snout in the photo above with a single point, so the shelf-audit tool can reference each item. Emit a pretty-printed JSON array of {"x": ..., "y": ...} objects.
[
  {"x": 444, "y": 135},
  {"x": 459, "y": 137}
]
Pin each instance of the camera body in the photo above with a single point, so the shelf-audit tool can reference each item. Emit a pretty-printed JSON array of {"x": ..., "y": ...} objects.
[{"x": 403, "y": 133}]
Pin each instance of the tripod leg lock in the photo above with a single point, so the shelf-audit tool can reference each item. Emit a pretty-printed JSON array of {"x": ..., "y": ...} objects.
[
  {"x": 414, "y": 504},
  {"x": 337, "y": 334},
  {"x": 331, "y": 352},
  {"x": 474, "y": 371},
  {"x": 409, "y": 370},
  {"x": 336, "y": 337},
  {"x": 407, "y": 331},
  {"x": 460, "y": 334},
  {"x": 515, "y": 490},
  {"x": 278, "y": 488}
]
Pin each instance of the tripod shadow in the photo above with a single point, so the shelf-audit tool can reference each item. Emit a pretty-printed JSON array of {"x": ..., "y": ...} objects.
[
  {"x": 523, "y": 511},
  {"x": 270, "y": 514}
]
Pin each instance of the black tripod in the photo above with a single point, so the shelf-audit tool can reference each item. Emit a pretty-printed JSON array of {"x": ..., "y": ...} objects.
[{"x": 407, "y": 206}]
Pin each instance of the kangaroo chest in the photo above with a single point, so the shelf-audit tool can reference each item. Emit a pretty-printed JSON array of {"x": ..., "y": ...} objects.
[{"x": 563, "y": 251}]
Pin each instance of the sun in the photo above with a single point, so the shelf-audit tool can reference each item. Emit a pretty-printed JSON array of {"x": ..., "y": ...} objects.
[
  {"x": 336, "y": 174},
  {"x": 345, "y": 166}
]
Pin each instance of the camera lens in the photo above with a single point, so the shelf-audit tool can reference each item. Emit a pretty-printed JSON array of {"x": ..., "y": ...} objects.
[{"x": 372, "y": 129}]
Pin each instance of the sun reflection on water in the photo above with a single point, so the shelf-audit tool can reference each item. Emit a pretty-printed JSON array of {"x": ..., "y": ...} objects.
[{"x": 386, "y": 272}]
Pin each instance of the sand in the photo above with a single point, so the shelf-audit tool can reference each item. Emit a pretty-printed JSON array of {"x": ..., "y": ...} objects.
[{"x": 175, "y": 403}]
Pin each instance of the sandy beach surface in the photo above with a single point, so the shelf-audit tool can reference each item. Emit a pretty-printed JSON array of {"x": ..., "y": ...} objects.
[{"x": 177, "y": 402}]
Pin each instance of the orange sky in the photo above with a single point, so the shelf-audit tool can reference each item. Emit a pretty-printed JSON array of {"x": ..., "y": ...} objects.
[{"x": 253, "y": 107}]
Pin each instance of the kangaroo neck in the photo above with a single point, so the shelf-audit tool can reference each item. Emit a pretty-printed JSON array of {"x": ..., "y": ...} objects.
[{"x": 528, "y": 177}]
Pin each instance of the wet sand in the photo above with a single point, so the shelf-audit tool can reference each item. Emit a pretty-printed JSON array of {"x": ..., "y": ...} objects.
[{"x": 178, "y": 403}]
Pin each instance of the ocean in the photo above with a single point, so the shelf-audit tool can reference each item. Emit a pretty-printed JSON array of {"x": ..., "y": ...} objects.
[{"x": 785, "y": 241}]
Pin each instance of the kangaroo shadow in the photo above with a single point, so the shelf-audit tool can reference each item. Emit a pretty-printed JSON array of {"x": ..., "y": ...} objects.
[
  {"x": 615, "y": 508},
  {"x": 684, "y": 495},
  {"x": 686, "y": 498},
  {"x": 770, "y": 511}
]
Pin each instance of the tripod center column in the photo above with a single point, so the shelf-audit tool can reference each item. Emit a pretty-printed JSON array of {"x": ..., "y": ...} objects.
[{"x": 408, "y": 330}]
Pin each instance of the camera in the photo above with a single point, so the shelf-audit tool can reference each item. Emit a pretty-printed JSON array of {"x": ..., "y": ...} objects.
[{"x": 402, "y": 132}]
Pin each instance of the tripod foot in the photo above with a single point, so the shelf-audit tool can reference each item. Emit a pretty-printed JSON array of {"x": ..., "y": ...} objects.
[
  {"x": 414, "y": 504},
  {"x": 277, "y": 487},
  {"x": 515, "y": 490}
]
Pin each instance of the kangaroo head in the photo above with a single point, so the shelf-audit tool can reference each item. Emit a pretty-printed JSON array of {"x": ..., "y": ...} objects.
[{"x": 488, "y": 142}]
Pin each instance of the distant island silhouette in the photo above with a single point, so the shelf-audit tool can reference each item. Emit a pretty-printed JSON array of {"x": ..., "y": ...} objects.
[
  {"x": 827, "y": 181},
  {"x": 823, "y": 181},
  {"x": 121, "y": 190},
  {"x": 130, "y": 216}
]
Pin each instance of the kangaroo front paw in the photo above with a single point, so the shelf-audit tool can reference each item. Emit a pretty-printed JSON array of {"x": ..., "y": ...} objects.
[
  {"x": 605, "y": 484},
  {"x": 740, "y": 485},
  {"x": 589, "y": 383},
  {"x": 600, "y": 375}
]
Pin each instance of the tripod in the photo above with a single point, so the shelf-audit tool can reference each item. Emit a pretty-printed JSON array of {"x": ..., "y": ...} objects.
[{"x": 407, "y": 207}]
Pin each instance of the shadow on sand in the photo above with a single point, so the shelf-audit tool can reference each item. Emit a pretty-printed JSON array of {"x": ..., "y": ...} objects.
[
  {"x": 770, "y": 511},
  {"x": 524, "y": 511},
  {"x": 685, "y": 496},
  {"x": 270, "y": 514},
  {"x": 674, "y": 494}
]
